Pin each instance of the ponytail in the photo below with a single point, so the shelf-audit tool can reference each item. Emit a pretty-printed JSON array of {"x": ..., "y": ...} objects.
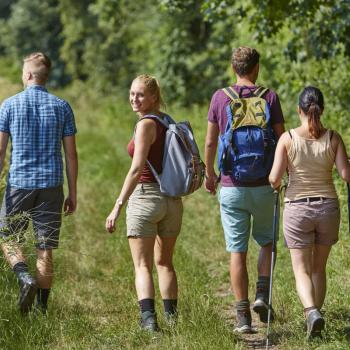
[
  {"x": 315, "y": 125},
  {"x": 312, "y": 104}
]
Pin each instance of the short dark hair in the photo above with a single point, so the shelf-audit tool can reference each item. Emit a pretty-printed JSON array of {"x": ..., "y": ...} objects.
[{"x": 244, "y": 59}]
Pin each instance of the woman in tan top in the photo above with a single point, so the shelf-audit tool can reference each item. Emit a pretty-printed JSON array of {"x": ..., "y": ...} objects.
[{"x": 311, "y": 214}]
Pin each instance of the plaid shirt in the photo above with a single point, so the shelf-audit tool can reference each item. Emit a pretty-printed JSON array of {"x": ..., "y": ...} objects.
[{"x": 36, "y": 122}]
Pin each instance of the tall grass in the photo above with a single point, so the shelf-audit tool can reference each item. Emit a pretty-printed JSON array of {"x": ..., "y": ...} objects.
[{"x": 93, "y": 303}]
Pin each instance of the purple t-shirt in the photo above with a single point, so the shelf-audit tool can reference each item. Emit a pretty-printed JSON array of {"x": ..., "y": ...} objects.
[{"x": 217, "y": 114}]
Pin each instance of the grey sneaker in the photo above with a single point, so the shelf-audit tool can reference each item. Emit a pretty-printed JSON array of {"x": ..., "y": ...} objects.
[
  {"x": 244, "y": 321},
  {"x": 27, "y": 292},
  {"x": 314, "y": 324},
  {"x": 148, "y": 321},
  {"x": 261, "y": 307}
]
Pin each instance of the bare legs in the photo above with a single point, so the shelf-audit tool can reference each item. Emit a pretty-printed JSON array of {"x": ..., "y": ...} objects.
[
  {"x": 44, "y": 264},
  {"x": 163, "y": 256},
  {"x": 44, "y": 268},
  {"x": 13, "y": 254},
  {"x": 159, "y": 249},
  {"x": 239, "y": 273},
  {"x": 309, "y": 266}
]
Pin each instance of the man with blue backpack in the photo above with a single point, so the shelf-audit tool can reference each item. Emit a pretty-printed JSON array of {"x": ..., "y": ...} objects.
[{"x": 244, "y": 123}]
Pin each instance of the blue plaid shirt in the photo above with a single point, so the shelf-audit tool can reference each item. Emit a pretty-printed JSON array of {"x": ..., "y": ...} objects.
[{"x": 36, "y": 122}]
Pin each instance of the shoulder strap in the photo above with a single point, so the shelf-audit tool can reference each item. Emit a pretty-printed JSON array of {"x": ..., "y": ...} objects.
[
  {"x": 231, "y": 93},
  {"x": 164, "y": 121},
  {"x": 290, "y": 134},
  {"x": 331, "y": 135},
  {"x": 260, "y": 91}
]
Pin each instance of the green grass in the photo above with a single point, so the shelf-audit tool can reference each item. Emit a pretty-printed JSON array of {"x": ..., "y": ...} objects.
[{"x": 93, "y": 303}]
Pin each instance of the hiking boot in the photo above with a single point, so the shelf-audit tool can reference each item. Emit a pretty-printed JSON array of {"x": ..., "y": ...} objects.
[
  {"x": 244, "y": 321},
  {"x": 261, "y": 307},
  {"x": 148, "y": 321},
  {"x": 314, "y": 323},
  {"x": 27, "y": 292}
]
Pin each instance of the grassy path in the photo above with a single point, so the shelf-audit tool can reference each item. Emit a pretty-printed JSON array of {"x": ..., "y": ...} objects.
[{"x": 93, "y": 304}]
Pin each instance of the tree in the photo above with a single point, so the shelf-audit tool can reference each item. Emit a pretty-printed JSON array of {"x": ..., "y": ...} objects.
[{"x": 34, "y": 25}]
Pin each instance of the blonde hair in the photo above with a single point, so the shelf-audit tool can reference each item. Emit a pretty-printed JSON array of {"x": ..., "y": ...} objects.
[
  {"x": 244, "y": 59},
  {"x": 153, "y": 87},
  {"x": 40, "y": 65}
]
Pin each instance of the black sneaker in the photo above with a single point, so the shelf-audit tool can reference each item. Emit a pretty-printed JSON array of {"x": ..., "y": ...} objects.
[
  {"x": 148, "y": 321},
  {"x": 27, "y": 292},
  {"x": 314, "y": 324},
  {"x": 244, "y": 321},
  {"x": 261, "y": 307}
]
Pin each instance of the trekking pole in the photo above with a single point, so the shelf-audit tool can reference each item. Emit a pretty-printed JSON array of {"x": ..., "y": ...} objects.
[
  {"x": 273, "y": 254},
  {"x": 348, "y": 203},
  {"x": 348, "y": 185}
]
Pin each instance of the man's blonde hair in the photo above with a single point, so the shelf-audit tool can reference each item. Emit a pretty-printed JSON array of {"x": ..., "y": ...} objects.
[
  {"x": 39, "y": 65},
  {"x": 244, "y": 59},
  {"x": 153, "y": 87}
]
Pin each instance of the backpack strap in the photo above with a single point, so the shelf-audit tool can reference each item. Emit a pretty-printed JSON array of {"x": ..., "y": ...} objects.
[
  {"x": 165, "y": 121},
  {"x": 260, "y": 91},
  {"x": 231, "y": 93}
]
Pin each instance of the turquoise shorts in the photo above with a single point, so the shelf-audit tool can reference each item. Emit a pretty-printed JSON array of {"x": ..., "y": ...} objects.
[{"x": 243, "y": 208}]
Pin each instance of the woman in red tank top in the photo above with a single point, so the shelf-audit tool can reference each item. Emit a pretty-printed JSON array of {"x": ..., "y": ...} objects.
[{"x": 153, "y": 220}]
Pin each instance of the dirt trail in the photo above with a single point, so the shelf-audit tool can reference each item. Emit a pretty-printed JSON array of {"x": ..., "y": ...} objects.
[{"x": 256, "y": 340}]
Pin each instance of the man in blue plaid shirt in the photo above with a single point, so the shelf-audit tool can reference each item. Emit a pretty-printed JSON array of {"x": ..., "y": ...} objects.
[{"x": 37, "y": 123}]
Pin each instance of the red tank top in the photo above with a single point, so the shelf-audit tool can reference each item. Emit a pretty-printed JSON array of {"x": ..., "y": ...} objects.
[{"x": 155, "y": 155}]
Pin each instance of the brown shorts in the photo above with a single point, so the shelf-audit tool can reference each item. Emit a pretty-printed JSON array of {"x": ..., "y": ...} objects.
[
  {"x": 150, "y": 213},
  {"x": 309, "y": 223}
]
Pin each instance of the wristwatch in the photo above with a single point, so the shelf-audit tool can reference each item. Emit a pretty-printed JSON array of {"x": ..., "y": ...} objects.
[{"x": 119, "y": 202}]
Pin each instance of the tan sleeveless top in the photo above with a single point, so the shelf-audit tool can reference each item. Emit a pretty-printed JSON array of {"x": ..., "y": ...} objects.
[{"x": 310, "y": 164}]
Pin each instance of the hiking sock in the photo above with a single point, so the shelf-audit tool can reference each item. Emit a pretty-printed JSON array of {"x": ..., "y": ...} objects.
[
  {"x": 170, "y": 306},
  {"x": 19, "y": 268},
  {"x": 242, "y": 305},
  {"x": 147, "y": 305},
  {"x": 308, "y": 309},
  {"x": 42, "y": 296},
  {"x": 262, "y": 287}
]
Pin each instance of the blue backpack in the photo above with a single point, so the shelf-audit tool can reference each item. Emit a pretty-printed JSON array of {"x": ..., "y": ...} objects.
[{"x": 247, "y": 147}]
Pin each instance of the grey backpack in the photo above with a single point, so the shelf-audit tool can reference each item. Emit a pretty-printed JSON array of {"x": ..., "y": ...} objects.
[{"x": 183, "y": 169}]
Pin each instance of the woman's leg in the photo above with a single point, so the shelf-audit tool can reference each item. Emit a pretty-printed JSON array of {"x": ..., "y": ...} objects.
[
  {"x": 319, "y": 280},
  {"x": 302, "y": 267},
  {"x": 142, "y": 256},
  {"x": 163, "y": 256}
]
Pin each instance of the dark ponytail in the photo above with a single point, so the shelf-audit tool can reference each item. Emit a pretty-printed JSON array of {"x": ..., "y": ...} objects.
[{"x": 311, "y": 103}]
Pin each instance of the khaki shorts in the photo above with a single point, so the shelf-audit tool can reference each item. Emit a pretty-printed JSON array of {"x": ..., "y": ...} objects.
[
  {"x": 309, "y": 223},
  {"x": 150, "y": 213}
]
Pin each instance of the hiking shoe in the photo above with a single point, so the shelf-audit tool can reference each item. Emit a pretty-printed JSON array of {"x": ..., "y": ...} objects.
[
  {"x": 27, "y": 292},
  {"x": 244, "y": 321},
  {"x": 148, "y": 321},
  {"x": 315, "y": 324},
  {"x": 261, "y": 307}
]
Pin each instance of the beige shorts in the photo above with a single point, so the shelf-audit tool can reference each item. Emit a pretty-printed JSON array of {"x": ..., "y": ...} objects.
[
  {"x": 150, "y": 213},
  {"x": 309, "y": 223}
]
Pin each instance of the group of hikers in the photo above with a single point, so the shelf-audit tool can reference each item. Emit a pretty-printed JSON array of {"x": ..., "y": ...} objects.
[{"x": 38, "y": 123}]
